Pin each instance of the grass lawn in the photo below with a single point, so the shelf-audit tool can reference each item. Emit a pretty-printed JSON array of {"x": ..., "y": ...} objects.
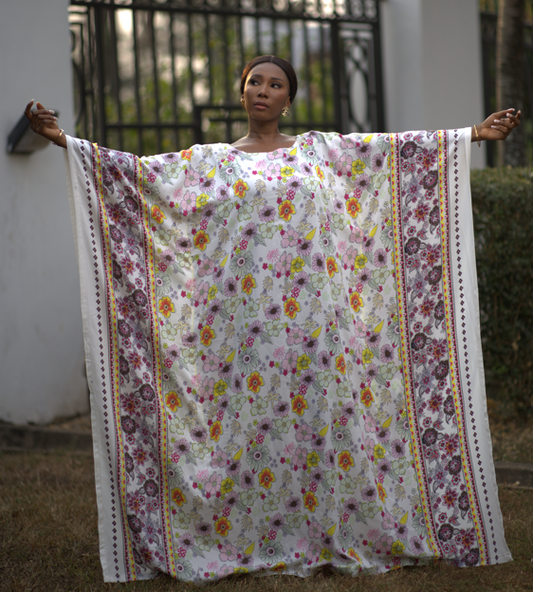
[{"x": 49, "y": 541}]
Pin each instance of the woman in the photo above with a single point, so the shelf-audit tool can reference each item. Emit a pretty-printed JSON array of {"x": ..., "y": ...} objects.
[{"x": 282, "y": 352}]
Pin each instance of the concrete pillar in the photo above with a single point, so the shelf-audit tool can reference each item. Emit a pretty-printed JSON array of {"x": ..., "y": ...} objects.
[
  {"x": 432, "y": 66},
  {"x": 41, "y": 346}
]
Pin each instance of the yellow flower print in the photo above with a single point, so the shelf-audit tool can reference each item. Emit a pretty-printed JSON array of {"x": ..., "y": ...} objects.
[
  {"x": 325, "y": 555},
  {"x": 367, "y": 397},
  {"x": 286, "y": 210},
  {"x": 177, "y": 497},
  {"x": 379, "y": 451},
  {"x": 223, "y": 526},
  {"x": 173, "y": 401},
  {"x": 303, "y": 362},
  {"x": 319, "y": 173},
  {"x": 255, "y": 382},
  {"x": 220, "y": 388},
  {"x": 381, "y": 492},
  {"x": 227, "y": 485},
  {"x": 331, "y": 266},
  {"x": 353, "y": 207},
  {"x": 367, "y": 356},
  {"x": 345, "y": 460},
  {"x": 266, "y": 478},
  {"x": 299, "y": 405},
  {"x": 201, "y": 200},
  {"x": 291, "y": 308},
  {"x": 212, "y": 292},
  {"x": 207, "y": 335},
  {"x": 358, "y": 166},
  {"x": 157, "y": 214},
  {"x": 215, "y": 431},
  {"x": 340, "y": 364},
  {"x": 397, "y": 548},
  {"x": 186, "y": 154},
  {"x": 313, "y": 459},
  {"x": 360, "y": 261},
  {"x": 248, "y": 283},
  {"x": 201, "y": 240},
  {"x": 287, "y": 171},
  {"x": 166, "y": 307},
  {"x": 297, "y": 264},
  {"x": 279, "y": 567},
  {"x": 356, "y": 302},
  {"x": 310, "y": 501},
  {"x": 240, "y": 188}
]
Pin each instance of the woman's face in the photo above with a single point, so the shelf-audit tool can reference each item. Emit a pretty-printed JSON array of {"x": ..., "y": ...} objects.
[{"x": 266, "y": 92}]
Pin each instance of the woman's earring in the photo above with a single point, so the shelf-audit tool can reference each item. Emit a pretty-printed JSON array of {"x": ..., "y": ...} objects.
[
  {"x": 242, "y": 102},
  {"x": 285, "y": 111}
]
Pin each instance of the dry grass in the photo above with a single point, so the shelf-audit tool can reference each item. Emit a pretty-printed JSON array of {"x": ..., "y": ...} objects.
[{"x": 49, "y": 541}]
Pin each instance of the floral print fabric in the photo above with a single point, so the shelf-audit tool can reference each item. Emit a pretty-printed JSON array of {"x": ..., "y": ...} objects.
[{"x": 279, "y": 366}]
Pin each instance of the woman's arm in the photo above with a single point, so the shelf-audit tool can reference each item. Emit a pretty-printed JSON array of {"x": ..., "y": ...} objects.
[
  {"x": 44, "y": 123},
  {"x": 497, "y": 126}
]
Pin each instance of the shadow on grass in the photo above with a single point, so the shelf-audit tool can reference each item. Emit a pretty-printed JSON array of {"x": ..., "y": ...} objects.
[{"x": 49, "y": 542}]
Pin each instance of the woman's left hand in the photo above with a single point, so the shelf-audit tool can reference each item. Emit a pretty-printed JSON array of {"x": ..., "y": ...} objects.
[{"x": 497, "y": 126}]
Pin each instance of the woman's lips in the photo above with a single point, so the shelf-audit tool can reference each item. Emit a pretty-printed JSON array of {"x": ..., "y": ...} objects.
[{"x": 261, "y": 106}]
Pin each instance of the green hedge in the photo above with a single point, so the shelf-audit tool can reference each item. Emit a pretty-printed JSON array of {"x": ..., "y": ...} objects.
[{"x": 503, "y": 223}]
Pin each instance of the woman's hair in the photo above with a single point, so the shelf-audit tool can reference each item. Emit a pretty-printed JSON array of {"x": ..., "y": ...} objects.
[{"x": 283, "y": 64}]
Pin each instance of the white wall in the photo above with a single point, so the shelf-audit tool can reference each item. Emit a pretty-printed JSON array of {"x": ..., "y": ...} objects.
[
  {"x": 41, "y": 349},
  {"x": 433, "y": 66}
]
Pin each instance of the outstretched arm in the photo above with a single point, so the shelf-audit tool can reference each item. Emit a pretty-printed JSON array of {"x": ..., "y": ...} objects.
[
  {"x": 497, "y": 126},
  {"x": 44, "y": 123}
]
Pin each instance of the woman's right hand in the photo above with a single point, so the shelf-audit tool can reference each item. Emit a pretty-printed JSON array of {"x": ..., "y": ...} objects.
[{"x": 44, "y": 123}]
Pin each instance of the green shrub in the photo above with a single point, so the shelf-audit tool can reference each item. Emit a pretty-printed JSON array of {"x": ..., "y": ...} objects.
[{"x": 503, "y": 223}]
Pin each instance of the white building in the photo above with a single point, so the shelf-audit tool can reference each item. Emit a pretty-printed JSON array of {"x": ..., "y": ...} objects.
[{"x": 432, "y": 65}]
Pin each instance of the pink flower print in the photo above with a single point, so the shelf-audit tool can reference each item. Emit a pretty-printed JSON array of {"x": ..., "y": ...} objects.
[
  {"x": 284, "y": 263},
  {"x": 213, "y": 484},
  {"x": 304, "y": 433},
  {"x": 300, "y": 456},
  {"x": 384, "y": 544},
  {"x": 290, "y": 238},
  {"x": 188, "y": 201},
  {"x": 295, "y": 336},
  {"x": 208, "y": 385},
  {"x": 273, "y": 170},
  {"x": 333, "y": 155},
  {"x": 192, "y": 178},
  {"x": 279, "y": 353},
  {"x": 211, "y": 364},
  {"x": 206, "y": 267},
  {"x": 314, "y": 551},
  {"x": 380, "y": 258},
  {"x": 357, "y": 235},
  {"x": 290, "y": 361},
  {"x": 201, "y": 291},
  {"x": 219, "y": 460},
  {"x": 273, "y": 256},
  {"x": 370, "y": 425},
  {"x": 228, "y": 552},
  {"x": 344, "y": 164},
  {"x": 347, "y": 143},
  {"x": 360, "y": 329},
  {"x": 388, "y": 521},
  {"x": 315, "y": 530},
  {"x": 349, "y": 256}
]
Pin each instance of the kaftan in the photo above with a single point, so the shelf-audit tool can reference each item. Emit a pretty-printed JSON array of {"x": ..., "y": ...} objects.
[{"x": 284, "y": 357}]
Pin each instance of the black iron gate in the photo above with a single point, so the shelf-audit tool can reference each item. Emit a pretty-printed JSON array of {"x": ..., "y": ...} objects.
[{"x": 159, "y": 75}]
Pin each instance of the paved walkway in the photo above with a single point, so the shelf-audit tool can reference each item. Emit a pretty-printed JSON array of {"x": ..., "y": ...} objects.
[{"x": 75, "y": 436}]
